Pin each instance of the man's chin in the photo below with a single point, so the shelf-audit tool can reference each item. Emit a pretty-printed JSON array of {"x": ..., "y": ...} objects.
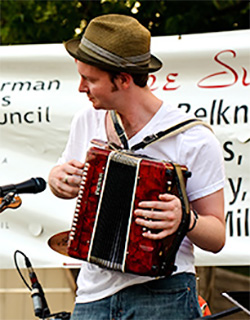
[{"x": 97, "y": 107}]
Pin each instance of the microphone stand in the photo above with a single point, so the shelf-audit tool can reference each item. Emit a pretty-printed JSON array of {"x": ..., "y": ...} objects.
[{"x": 40, "y": 305}]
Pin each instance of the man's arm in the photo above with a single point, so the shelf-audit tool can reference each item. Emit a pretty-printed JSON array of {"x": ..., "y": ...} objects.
[{"x": 209, "y": 232}]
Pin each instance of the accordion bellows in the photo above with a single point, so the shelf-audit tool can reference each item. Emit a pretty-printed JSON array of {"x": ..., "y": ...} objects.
[{"x": 104, "y": 231}]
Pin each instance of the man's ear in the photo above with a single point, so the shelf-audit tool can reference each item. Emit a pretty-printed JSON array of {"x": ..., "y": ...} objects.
[{"x": 125, "y": 79}]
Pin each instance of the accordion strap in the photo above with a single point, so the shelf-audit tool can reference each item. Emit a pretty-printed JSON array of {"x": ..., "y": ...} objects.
[
  {"x": 185, "y": 220},
  {"x": 176, "y": 129},
  {"x": 119, "y": 128},
  {"x": 172, "y": 131}
]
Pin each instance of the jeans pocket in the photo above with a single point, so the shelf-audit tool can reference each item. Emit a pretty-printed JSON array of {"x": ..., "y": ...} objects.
[{"x": 176, "y": 296}]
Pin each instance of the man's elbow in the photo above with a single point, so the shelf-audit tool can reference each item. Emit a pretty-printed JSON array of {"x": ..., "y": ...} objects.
[{"x": 219, "y": 246}]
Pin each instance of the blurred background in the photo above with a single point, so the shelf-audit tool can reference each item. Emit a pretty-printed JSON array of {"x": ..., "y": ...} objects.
[{"x": 36, "y": 22}]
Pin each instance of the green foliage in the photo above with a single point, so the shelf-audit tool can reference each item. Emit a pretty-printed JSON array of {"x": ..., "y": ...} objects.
[
  {"x": 30, "y": 21},
  {"x": 37, "y": 21}
]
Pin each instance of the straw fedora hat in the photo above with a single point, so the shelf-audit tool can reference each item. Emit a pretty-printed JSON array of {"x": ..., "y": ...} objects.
[{"x": 115, "y": 42}]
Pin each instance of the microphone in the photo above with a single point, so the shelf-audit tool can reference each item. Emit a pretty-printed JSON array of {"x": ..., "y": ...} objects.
[
  {"x": 39, "y": 302},
  {"x": 33, "y": 185}
]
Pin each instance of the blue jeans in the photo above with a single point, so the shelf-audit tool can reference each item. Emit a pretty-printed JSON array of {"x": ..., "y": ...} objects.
[{"x": 170, "y": 298}]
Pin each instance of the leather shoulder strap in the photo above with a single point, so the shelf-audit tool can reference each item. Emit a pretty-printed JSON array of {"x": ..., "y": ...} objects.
[
  {"x": 119, "y": 129},
  {"x": 174, "y": 130}
]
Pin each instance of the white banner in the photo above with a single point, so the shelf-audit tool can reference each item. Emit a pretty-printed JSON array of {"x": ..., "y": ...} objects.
[{"x": 206, "y": 75}]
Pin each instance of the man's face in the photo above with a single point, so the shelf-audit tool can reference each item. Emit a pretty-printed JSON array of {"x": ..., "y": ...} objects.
[{"x": 97, "y": 85}]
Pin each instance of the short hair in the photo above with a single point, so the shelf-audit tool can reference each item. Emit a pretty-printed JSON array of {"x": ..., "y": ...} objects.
[{"x": 139, "y": 79}]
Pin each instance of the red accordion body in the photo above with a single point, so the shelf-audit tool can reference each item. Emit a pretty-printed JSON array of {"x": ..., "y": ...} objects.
[{"x": 104, "y": 231}]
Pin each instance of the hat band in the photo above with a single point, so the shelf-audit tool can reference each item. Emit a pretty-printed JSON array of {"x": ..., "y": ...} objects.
[{"x": 113, "y": 58}]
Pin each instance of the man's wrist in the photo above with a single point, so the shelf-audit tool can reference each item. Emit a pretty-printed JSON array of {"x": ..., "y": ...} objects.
[{"x": 196, "y": 217}]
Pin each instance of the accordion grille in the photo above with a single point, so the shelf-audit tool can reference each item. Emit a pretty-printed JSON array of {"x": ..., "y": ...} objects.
[{"x": 110, "y": 235}]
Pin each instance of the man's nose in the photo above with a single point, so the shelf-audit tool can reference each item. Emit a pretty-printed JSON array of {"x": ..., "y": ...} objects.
[{"x": 83, "y": 86}]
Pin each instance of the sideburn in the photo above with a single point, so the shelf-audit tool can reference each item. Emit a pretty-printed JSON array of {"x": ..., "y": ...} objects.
[
  {"x": 114, "y": 88},
  {"x": 112, "y": 77}
]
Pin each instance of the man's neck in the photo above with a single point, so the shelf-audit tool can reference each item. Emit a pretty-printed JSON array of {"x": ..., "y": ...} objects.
[
  {"x": 134, "y": 114},
  {"x": 139, "y": 114}
]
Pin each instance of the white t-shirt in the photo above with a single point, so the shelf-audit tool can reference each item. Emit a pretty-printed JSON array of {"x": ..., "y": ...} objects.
[{"x": 197, "y": 148}]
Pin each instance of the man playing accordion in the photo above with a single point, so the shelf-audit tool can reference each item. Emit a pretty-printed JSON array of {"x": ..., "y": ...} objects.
[{"x": 113, "y": 59}]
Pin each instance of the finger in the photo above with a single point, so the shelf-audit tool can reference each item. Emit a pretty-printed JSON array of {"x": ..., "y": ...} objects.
[
  {"x": 156, "y": 236},
  {"x": 68, "y": 190},
  {"x": 76, "y": 163},
  {"x": 149, "y": 214},
  {"x": 166, "y": 197},
  {"x": 72, "y": 180},
  {"x": 65, "y": 179},
  {"x": 153, "y": 225},
  {"x": 157, "y": 204},
  {"x": 74, "y": 167}
]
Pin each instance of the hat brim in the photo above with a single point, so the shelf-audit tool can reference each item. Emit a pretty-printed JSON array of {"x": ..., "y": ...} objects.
[{"x": 72, "y": 46}]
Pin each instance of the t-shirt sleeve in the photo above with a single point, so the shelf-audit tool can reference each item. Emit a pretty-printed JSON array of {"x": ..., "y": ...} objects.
[
  {"x": 201, "y": 152},
  {"x": 83, "y": 129}
]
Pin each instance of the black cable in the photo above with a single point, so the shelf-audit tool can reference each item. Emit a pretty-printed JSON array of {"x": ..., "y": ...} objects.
[{"x": 17, "y": 267}]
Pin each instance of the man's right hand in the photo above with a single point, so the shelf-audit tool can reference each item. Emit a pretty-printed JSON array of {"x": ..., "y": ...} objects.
[{"x": 64, "y": 180}]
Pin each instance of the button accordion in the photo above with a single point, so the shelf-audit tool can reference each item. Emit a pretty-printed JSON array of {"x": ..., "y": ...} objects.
[{"x": 104, "y": 231}]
